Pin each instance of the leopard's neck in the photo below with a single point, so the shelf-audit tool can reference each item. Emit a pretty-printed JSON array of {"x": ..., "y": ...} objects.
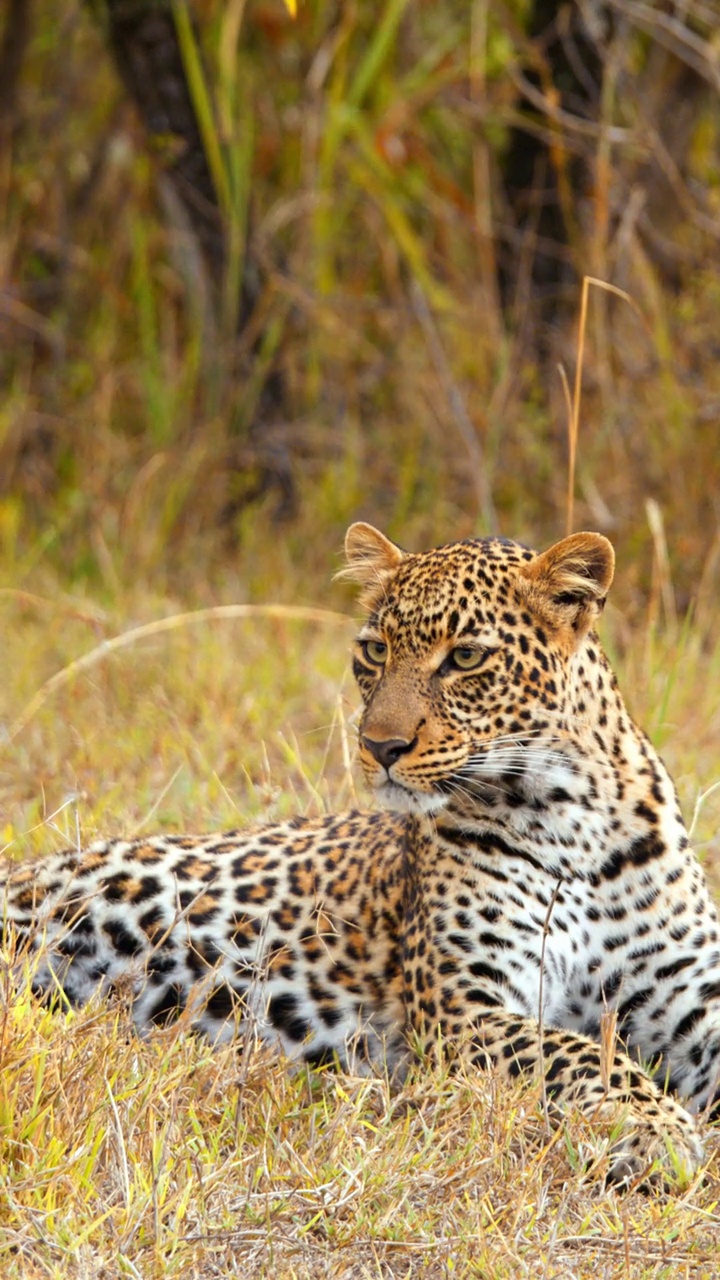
[{"x": 595, "y": 796}]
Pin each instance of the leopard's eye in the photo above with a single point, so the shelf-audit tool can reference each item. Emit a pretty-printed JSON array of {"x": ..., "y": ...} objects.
[
  {"x": 375, "y": 651},
  {"x": 465, "y": 658}
]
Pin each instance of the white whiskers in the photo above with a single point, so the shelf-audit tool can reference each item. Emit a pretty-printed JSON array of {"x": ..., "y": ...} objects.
[{"x": 535, "y": 761}]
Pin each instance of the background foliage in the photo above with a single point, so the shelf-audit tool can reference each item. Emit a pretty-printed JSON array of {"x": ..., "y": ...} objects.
[{"x": 414, "y": 199}]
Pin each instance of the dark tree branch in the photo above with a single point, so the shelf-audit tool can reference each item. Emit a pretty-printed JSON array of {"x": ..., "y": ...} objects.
[
  {"x": 15, "y": 36},
  {"x": 144, "y": 43}
]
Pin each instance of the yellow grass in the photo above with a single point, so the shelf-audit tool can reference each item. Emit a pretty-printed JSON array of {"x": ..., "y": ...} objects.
[{"x": 161, "y": 1157}]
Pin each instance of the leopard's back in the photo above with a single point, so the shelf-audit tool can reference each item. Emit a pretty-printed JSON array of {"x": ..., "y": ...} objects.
[{"x": 291, "y": 929}]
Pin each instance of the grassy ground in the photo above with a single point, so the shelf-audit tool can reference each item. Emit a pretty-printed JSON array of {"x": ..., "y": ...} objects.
[{"x": 160, "y": 1157}]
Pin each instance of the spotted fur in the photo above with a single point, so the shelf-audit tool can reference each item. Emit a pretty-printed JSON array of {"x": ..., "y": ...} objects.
[{"x": 532, "y": 876}]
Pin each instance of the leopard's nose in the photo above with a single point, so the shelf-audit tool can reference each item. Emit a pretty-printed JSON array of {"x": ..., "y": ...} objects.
[{"x": 389, "y": 750}]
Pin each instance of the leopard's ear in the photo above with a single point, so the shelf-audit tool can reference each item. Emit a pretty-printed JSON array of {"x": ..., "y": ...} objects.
[
  {"x": 371, "y": 559},
  {"x": 569, "y": 582}
]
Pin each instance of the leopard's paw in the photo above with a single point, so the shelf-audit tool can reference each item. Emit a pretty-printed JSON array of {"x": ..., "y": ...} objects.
[{"x": 650, "y": 1153}]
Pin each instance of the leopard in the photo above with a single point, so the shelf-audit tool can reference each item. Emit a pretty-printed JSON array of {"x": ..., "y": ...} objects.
[{"x": 525, "y": 900}]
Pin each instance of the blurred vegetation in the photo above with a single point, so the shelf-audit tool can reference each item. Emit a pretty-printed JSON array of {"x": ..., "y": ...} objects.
[{"x": 402, "y": 200}]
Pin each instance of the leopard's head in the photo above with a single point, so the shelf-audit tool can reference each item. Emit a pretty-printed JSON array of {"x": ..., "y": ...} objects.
[{"x": 467, "y": 665}]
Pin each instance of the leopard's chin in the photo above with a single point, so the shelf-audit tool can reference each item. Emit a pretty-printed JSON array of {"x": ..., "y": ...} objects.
[{"x": 392, "y": 795}]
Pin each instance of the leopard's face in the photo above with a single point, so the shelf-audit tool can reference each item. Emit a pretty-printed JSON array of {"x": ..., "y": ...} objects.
[{"x": 463, "y": 665}]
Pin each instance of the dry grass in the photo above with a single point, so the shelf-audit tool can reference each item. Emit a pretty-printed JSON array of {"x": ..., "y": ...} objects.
[{"x": 161, "y": 1157}]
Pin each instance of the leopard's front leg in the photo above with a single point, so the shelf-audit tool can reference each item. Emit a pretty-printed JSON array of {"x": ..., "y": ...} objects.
[
  {"x": 607, "y": 1087},
  {"x": 456, "y": 994},
  {"x": 679, "y": 1028}
]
